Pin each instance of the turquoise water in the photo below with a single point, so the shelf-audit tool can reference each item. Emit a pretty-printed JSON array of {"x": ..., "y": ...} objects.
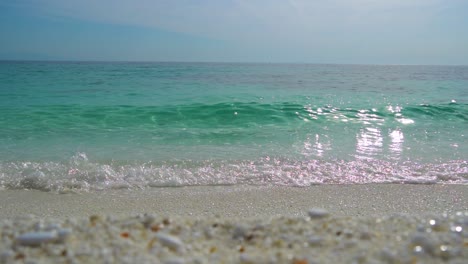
[{"x": 91, "y": 126}]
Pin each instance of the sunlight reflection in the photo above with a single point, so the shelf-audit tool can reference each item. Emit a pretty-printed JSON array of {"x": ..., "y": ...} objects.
[
  {"x": 394, "y": 109},
  {"x": 405, "y": 121},
  {"x": 396, "y": 144},
  {"x": 369, "y": 142},
  {"x": 399, "y": 116},
  {"x": 368, "y": 117},
  {"x": 315, "y": 146}
]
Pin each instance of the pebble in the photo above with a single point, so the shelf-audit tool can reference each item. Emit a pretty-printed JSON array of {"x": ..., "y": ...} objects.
[
  {"x": 240, "y": 231},
  {"x": 246, "y": 259},
  {"x": 423, "y": 241},
  {"x": 315, "y": 240},
  {"x": 36, "y": 238},
  {"x": 170, "y": 241},
  {"x": 316, "y": 213},
  {"x": 6, "y": 255},
  {"x": 387, "y": 255},
  {"x": 391, "y": 239},
  {"x": 175, "y": 261}
]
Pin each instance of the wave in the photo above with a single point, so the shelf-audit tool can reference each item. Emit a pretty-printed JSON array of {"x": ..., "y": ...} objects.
[
  {"x": 81, "y": 174},
  {"x": 450, "y": 111},
  {"x": 239, "y": 115}
]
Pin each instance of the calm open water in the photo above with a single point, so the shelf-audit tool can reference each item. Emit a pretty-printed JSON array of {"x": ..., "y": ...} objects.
[{"x": 91, "y": 126}]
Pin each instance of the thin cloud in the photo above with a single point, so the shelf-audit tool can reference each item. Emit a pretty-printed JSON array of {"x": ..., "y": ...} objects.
[
  {"x": 236, "y": 19},
  {"x": 282, "y": 29}
]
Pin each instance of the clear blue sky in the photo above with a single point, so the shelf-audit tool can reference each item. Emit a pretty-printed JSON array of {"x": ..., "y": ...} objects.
[{"x": 310, "y": 31}]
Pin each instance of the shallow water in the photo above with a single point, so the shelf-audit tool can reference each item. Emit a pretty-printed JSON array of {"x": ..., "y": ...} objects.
[{"x": 92, "y": 126}]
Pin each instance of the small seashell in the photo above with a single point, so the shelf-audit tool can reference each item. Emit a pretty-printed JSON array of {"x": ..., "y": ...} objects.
[
  {"x": 241, "y": 248},
  {"x": 36, "y": 238},
  {"x": 213, "y": 249},
  {"x": 240, "y": 231},
  {"x": 169, "y": 241},
  {"x": 20, "y": 256},
  {"x": 94, "y": 219},
  {"x": 420, "y": 241},
  {"x": 148, "y": 220},
  {"x": 299, "y": 261},
  {"x": 315, "y": 241},
  {"x": 155, "y": 227}
]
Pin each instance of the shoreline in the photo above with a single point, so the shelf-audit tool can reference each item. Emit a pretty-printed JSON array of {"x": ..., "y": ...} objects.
[{"x": 368, "y": 200}]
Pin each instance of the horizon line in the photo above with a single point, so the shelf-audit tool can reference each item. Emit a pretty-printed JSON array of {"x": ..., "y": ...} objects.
[{"x": 222, "y": 62}]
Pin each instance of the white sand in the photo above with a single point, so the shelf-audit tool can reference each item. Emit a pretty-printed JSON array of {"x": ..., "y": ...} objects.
[
  {"x": 242, "y": 201},
  {"x": 366, "y": 224}
]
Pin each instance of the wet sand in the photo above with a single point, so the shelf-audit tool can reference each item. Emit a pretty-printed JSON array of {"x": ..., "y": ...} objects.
[{"x": 241, "y": 201}]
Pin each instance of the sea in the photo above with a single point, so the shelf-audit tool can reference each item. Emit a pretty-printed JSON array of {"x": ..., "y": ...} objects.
[{"x": 92, "y": 126}]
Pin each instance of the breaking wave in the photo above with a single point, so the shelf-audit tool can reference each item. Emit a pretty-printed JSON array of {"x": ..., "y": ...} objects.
[{"x": 81, "y": 174}]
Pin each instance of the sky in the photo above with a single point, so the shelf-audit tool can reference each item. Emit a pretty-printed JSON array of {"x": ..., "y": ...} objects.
[{"x": 292, "y": 31}]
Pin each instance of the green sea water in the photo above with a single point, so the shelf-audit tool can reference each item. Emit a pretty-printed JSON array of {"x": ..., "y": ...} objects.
[{"x": 88, "y": 126}]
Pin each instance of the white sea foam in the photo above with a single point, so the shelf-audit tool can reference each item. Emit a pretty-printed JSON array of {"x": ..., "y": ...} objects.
[{"x": 82, "y": 174}]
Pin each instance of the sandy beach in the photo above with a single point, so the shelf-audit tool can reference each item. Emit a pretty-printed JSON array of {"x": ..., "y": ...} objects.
[
  {"x": 377, "y": 223},
  {"x": 371, "y": 200},
  {"x": 244, "y": 132}
]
